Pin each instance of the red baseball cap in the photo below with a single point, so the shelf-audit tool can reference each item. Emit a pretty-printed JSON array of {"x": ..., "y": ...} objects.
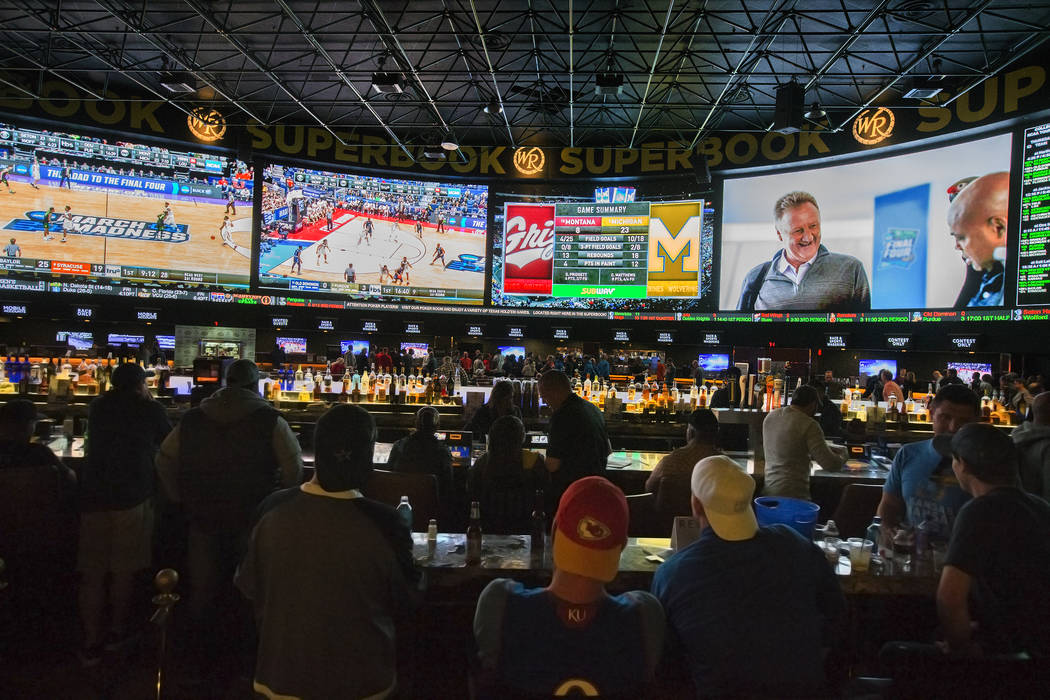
[{"x": 590, "y": 529}]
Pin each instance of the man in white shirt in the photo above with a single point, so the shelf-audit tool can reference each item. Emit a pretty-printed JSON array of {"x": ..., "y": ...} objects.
[{"x": 792, "y": 439}]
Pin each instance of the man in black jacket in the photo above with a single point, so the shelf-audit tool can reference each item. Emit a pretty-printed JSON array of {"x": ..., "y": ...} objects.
[
  {"x": 221, "y": 461},
  {"x": 125, "y": 427}
]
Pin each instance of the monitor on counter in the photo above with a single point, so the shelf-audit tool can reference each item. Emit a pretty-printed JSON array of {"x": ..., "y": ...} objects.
[
  {"x": 713, "y": 362},
  {"x": 871, "y": 368},
  {"x": 419, "y": 350},
  {"x": 166, "y": 342},
  {"x": 292, "y": 346}
]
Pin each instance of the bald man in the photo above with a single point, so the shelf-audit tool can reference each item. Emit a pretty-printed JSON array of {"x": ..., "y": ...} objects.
[
  {"x": 1033, "y": 447},
  {"x": 977, "y": 220}
]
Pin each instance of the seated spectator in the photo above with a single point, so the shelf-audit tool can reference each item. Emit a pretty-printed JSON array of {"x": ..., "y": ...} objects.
[
  {"x": 572, "y": 637},
  {"x": 1033, "y": 448},
  {"x": 997, "y": 572},
  {"x": 326, "y": 606},
  {"x": 751, "y": 609},
  {"x": 422, "y": 453},
  {"x": 890, "y": 387},
  {"x": 701, "y": 438},
  {"x": 506, "y": 478},
  {"x": 37, "y": 503},
  {"x": 829, "y": 415},
  {"x": 500, "y": 403}
]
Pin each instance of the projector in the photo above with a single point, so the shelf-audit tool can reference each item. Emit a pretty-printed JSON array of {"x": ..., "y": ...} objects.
[
  {"x": 388, "y": 82},
  {"x": 608, "y": 84}
]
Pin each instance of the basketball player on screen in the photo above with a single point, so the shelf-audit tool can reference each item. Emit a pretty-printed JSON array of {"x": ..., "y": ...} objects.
[
  {"x": 439, "y": 252},
  {"x": 297, "y": 260},
  {"x": 384, "y": 272},
  {"x": 322, "y": 250},
  {"x": 166, "y": 218},
  {"x": 34, "y": 173},
  {"x": 403, "y": 269},
  {"x": 67, "y": 223},
  {"x": 419, "y": 230},
  {"x": 49, "y": 216},
  {"x": 226, "y": 232},
  {"x": 3, "y": 178},
  {"x": 231, "y": 203}
]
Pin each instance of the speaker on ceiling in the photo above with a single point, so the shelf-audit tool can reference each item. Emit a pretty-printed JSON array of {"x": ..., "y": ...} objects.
[{"x": 787, "y": 115}]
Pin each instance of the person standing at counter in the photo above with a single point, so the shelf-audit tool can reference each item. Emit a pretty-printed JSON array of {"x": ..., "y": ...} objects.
[
  {"x": 577, "y": 444},
  {"x": 1033, "y": 447},
  {"x": 500, "y": 403},
  {"x": 571, "y": 638},
  {"x": 751, "y": 609},
  {"x": 728, "y": 395},
  {"x": 792, "y": 439},
  {"x": 891, "y": 388},
  {"x": 328, "y": 572},
  {"x": 701, "y": 438},
  {"x": 921, "y": 487},
  {"x": 222, "y": 460},
  {"x": 125, "y": 428}
]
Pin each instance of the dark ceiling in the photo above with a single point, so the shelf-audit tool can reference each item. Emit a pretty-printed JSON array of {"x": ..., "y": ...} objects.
[{"x": 689, "y": 67}]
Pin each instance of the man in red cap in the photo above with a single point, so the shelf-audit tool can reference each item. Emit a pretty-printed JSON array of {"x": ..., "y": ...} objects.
[{"x": 571, "y": 637}]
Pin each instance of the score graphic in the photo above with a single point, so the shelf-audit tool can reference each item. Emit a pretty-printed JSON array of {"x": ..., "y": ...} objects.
[{"x": 627, "y": 251}]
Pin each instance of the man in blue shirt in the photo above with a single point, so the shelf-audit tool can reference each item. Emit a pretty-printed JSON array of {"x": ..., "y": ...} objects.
[
  {"x": 921, "y": 486},
  {"x": 571, "y": 638},
  {"x": 752, "y": 609}
]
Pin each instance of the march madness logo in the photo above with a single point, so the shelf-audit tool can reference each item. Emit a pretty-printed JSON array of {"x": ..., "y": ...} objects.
[
  {"x": 898, "y": 248},
  {"x": 102, "y": 226}
]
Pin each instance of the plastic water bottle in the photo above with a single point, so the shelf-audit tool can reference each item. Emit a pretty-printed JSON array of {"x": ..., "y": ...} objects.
[{"x": 404, "y": 509}]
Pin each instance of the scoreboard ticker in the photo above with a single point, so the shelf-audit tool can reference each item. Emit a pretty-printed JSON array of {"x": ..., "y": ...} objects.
[{"x": 1033, "y": 264}]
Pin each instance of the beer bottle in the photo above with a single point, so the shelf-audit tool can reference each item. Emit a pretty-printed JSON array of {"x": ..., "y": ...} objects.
[
  {"x": 474, "y": 535},
  {"x": 539, "y": 526}
]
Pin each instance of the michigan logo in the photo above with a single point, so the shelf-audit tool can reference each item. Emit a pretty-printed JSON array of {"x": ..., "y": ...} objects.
[
  {"x": 103, "y": 226},
  {"x": 576, "y": 686}
]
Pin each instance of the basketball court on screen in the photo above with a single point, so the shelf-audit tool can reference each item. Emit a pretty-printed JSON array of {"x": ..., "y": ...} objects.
[
  {"x": 198, "y": 253},
  {"x": 387, "y": 246}
]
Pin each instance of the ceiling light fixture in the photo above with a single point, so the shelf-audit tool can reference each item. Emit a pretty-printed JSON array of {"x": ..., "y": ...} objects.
[
  {"x": 815, "y": 112},
  {"x": 494, "y": 107}
]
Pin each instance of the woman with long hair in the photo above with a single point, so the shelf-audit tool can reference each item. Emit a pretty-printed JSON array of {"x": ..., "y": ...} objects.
[
  {"x": 506, "y": 478},
  {"x": 500, "y": 403}
]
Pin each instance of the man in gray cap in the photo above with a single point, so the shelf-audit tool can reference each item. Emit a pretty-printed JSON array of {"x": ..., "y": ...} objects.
[{"x": 220, "y": 462}]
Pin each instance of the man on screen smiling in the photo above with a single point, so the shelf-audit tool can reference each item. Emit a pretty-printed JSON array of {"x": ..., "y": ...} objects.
[{"x": 804, "y": 275}]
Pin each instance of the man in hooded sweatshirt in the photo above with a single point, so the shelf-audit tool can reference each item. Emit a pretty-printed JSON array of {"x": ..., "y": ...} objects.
[
  {"x": 220, "y": 462},
  {"x": 1033, "y": 447}
]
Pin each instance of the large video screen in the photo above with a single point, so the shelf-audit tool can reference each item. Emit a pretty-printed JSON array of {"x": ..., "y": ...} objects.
[
  {"x": 372, "y": 238},
  {"x": 871, "y": 368},
  {"x": 924, "y": 230},
  {"x": 631, "y": 255},
  {"x": 82, "y": 209},
  {"x": 966, "y": 370}
]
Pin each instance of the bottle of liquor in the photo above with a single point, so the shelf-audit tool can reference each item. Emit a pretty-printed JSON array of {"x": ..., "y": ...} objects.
[
  {"x": 328, "y": 378},
  {"x": 365, "y": 384},
  {"x": 694, "y": 397},
  {"x": 539, "y": 525},
  {"x": 299, "y": 377},
  {"x": 587, "y": 387},
  {"x": 632, "y": 392},
  {"x": 645, "y": 391},
  {"x": 474, "y": 535}
]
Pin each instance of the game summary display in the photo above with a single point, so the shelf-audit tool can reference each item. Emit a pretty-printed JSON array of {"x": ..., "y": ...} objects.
[
  {"x": 81, "y": 209},
  {"x": 372, "y": 238},
  {"x": 641, "y": 255}
]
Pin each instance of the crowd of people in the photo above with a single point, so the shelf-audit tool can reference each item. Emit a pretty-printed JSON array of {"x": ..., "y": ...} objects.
[{"x": 744, "y": 610}]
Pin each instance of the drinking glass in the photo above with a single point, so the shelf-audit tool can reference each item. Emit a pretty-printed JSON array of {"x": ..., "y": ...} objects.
[{"x": 859, "y": 554}]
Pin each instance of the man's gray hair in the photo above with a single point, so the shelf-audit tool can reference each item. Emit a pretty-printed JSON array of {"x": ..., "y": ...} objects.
[{"x": 792, "y": 200}]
